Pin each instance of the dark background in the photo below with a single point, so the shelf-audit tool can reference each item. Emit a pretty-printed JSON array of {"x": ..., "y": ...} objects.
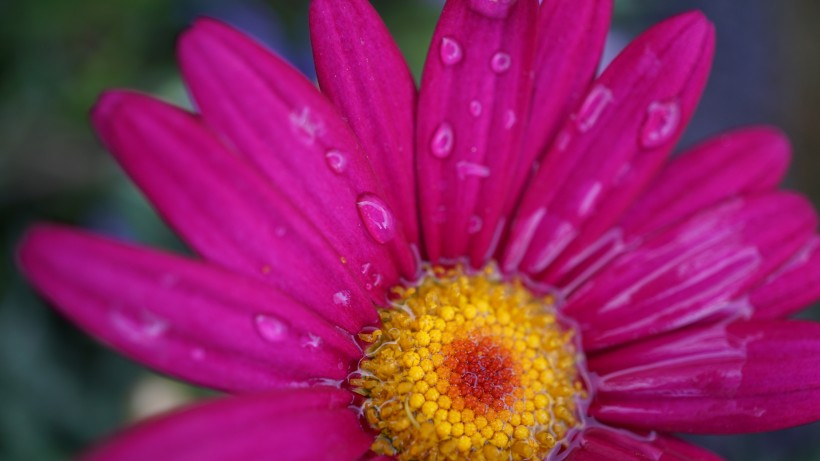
[{"x": 59, "y": 390}]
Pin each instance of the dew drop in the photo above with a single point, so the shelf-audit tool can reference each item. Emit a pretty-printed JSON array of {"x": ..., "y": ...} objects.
[
  {"x": 475, "y": 108},
  {"x": 510, "y": 119},
  {"x": 312, "y": 341},
  {"x": 496, "y": 9},
  {"x": 336, "y": 160},
  {"x": 661, "y": 123},
  {"x": 475, "y": 224},
  {"x": 306, "y": 125},
  {"x": 500, "y": 62},
  {"x": 270, "y": 328},
  {"x": 596, "y": 101},
  {"x": 140, "y": 327},
  {"x": 443, "y": 139},
  {"x": 465, "y": 169},
  {"x": 450, "y": 51},
  {"x": 376, "y": 217},
  {"x": 342, "y": 298}
]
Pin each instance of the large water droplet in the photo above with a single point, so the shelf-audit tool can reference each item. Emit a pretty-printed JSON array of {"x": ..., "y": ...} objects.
[
  {"x": 661, "y": 123},
  {"x": 443, "y": 139},
  {"x": 306, "y": 125},
  {"x": 270, "y": 328},
  {"x": 596, "y": 101},
  {"x": 336, "y": 160},
  {"x": 450, "y": 51},
  {"x": 475, "y": 108},
  {"x": 465, "y": 169},
  {"x": 342, "y": 298},
  {"x": 496, "y": 9},
  {"x": 377, "y": 217},
  {"x": 500, "y": 62}
]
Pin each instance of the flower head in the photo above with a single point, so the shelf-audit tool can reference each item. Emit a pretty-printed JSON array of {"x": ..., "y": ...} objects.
[{"x": 502, "y": 264}]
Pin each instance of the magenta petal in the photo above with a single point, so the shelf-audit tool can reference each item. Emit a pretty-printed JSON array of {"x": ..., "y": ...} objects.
[
  {"x": 362, "y": 71},
  {"x": 741, "y": 377},
  {"x": 570, "y": 39},
  {"x": 294, "y": 425},
  {"x": 613, "y": 144},
  {"x": 692, "y": 271},
  {"x": 280, "y": 123},
  {"x": 737, "y": 163},
  {"x": 183, "y": 317},
  {"x": 224, "y": 209},
  {"x": 474, "y": 96},
  {"x": 793, "y": 287},
  {"x": 600, "y": 444}
]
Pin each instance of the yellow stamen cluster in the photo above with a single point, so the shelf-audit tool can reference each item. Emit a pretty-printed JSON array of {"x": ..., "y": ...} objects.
[{"x": 469, "y": 367}]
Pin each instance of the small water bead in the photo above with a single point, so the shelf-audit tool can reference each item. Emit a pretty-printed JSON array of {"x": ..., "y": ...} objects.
[
  {"x": 500, "y": 62},
  {"x": 377, "y": 217},
  {"x": 465, "y": 169},
  {"x": 594, "y": 105},
  {"x": 138, "y": 327},
  {"x": 307, "y": 125},
  {"x": 443, "y": 140},
  {"x": 450, "y": 51},
  {"x": 510, "y": 119},
  {"x": 475, "y": 108},
  {"x": 661, "y": 123},
  {"x": 270, "y": 328},
  {"x": 495, "y": 9},
  {"x": 336, "y": 161},
  {"x": 341, "y": 298}
]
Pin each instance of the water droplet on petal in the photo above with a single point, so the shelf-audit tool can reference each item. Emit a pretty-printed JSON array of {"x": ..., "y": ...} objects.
[
  {"x": 510, "y": 119},
  {"x": 450, "y": 51},
  {"x": 342, "y": 298},
  {"x": 443, "y": 139},
  {"x": 306, "y": 125},
  {"x": 496, "y": 9},
  {"x": 336, "y": 160},
  {"x": 376, "y": 217},
  {"x": 596, "y": 101},
  {"x": 198, "y": 354},
  {"x": 475, "y": 108},
  {"x": 138, "y": 327},
  {"x": 661, "y": 123},
  {"x": 500, "y": 62},
  {"x": 375, "y": 277},
  {"x": 312, "y": 341},
  {"x": 465, "y": 169},
  {"x": 270, "y": 328},
  {"x": 475, "y": 224}
]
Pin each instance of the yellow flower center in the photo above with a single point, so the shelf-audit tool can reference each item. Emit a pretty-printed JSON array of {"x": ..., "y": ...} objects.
[{"x": 469, "y": 367}]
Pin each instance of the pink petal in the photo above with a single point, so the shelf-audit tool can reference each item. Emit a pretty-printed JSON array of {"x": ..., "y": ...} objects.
[
  {"x": 692, "y": 271},
  {"x": 741, "y": 377},
  {"x": 472, "y": 106},
  {"x": 182, "y": 317},
  {"x": 296, "y": 425},
  {"x": 604, "y": 444},
  {"x": 613, "y": 145},
  {"x": 793, "y": 287},
  {"x": 280, "y": 123},
  {"x": 225, "y": 210},
  {"x": 737, "y": 163},
  {"x": 570, "y": 39},
  {"x": 362, "y": 71},
  {"x": 600, "y": 443}
]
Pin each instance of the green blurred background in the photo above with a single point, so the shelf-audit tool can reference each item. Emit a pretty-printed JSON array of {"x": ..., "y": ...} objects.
[{"x": 59, "y": 390}]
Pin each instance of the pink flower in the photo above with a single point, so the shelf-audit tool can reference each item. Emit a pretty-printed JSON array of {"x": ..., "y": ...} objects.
[{"x": 308, "y": 210}]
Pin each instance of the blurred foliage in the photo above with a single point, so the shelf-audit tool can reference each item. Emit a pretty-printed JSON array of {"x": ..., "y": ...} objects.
[{"x": 59, "y": 390}]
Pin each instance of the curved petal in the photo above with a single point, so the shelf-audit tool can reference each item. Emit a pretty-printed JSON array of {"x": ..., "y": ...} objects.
[
  {"x": 599, "y": 444},
  {"x": 280, "y": 123},
  {"x": 474, "y": 95},
  {"x": 224, "y": 209},
  {"x": 792, "y": 288},
  {"x": 362, "y": 71},
  {"x": 182, "y": 317},
  {"x": 612, "y": 145},
  {"x": 297, "y": 425},
  {"x": 570, "y": 40},
  {"x": 692, "y": 271},
  {"x": 742, "y": 377}
]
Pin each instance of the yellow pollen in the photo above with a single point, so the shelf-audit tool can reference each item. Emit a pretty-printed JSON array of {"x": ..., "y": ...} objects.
[{"x": 469, "y": 367}]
